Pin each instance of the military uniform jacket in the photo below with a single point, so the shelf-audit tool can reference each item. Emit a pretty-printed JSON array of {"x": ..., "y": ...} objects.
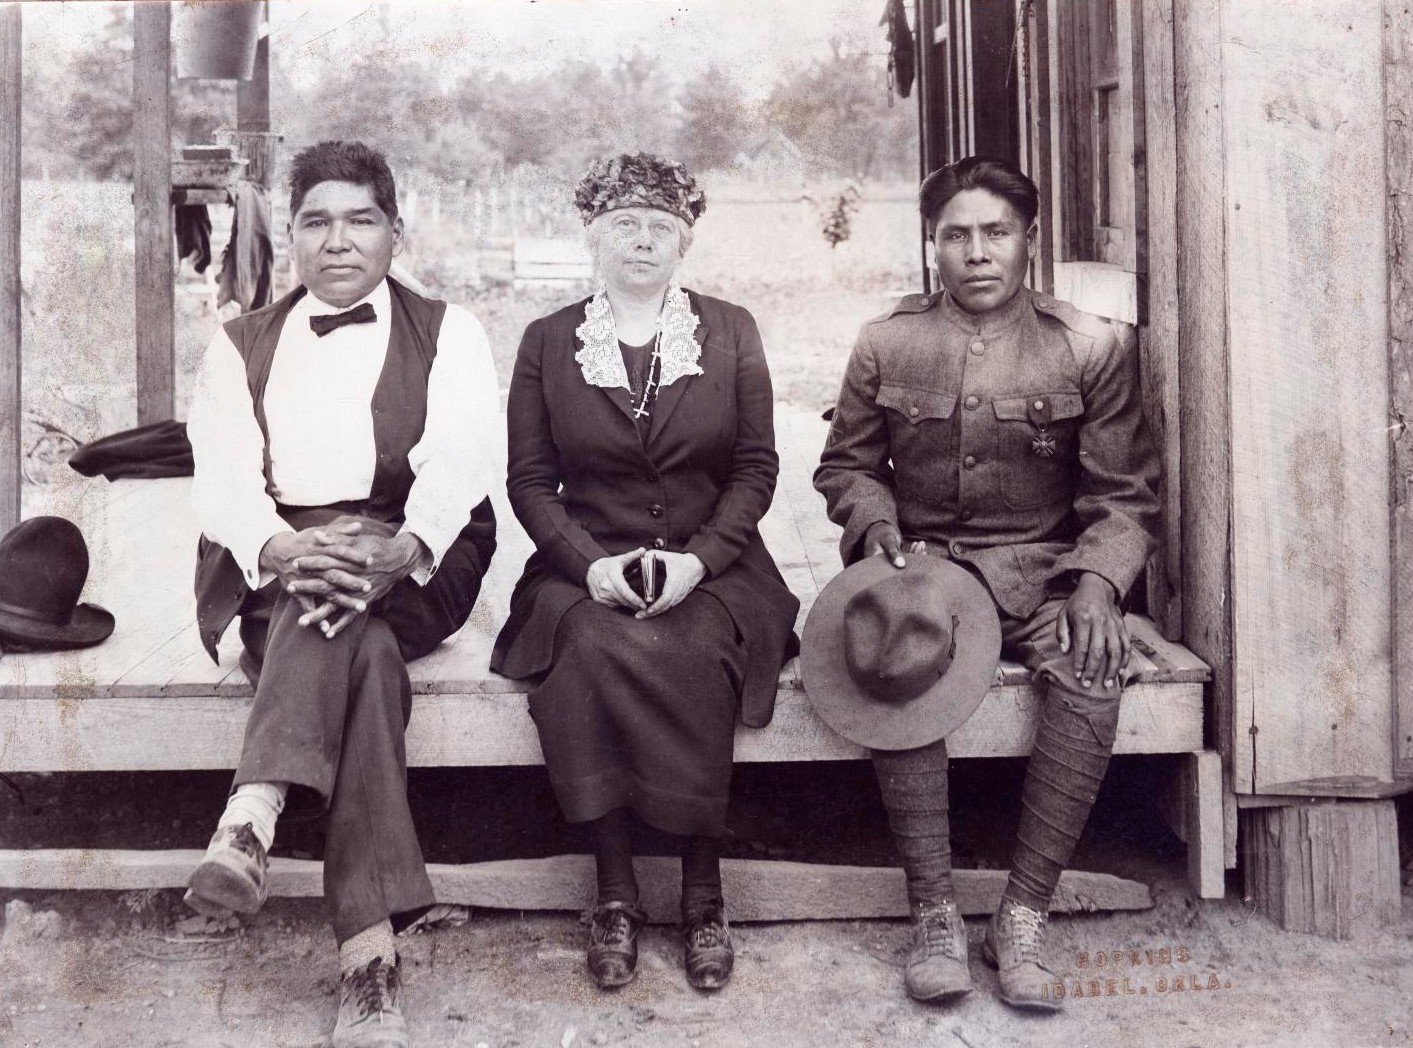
[{"x": 1013, "y": 441}]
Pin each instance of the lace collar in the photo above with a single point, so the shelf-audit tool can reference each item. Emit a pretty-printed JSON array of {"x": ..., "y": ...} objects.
[{"x": 601, "y": 360}]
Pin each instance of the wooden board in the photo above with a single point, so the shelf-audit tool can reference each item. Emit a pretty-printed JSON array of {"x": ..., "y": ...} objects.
[
  {"x": 1308, "y": 328},
  {"x": 755, "y": 890},
  {"x": 1204, "y": 424},
  {"x": 11, "y": 61},
  {"x": 73, "y": 732},
  {"x": 1398, "y": 121},
  {"x": 154, "y": 271}
]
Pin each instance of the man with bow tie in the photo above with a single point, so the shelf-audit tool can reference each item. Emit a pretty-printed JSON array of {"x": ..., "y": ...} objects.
[{"x": 341, "y": 440}]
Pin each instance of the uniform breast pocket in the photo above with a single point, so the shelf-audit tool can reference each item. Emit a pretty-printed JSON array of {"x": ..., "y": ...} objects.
[
  {"x": 1037, "y": 447},
  {"x": 920, "y": 437}
]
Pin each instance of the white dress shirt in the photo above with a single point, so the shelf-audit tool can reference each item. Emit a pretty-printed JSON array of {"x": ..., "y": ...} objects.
[{"x": 318, "y": 411}]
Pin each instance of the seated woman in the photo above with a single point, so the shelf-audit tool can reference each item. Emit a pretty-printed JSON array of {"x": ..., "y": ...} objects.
[{"x": 642, "y": 444}]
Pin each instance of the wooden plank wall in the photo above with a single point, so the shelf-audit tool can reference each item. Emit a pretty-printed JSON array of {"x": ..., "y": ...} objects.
[
  {"x": 1398, "y": 119},
  {"x": 1204, "y": 423},
  {"x": 1158, "y": 275},
  {"x": 154, "y": 269},
  {"x": 10, "y": 69},
  {"x": 1302, "y": 104}
]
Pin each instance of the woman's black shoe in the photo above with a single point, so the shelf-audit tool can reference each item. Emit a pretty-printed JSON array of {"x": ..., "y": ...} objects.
[
  {"x": 710, "y": 957},
  {"x": 613, "y": 943}
]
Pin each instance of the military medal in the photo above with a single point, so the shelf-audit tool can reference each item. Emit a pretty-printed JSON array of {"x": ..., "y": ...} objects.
[{"x": 1042, "y": 445}]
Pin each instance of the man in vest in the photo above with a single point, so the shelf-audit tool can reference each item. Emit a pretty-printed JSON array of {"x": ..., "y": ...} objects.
[{"x": 342, "y": 471}]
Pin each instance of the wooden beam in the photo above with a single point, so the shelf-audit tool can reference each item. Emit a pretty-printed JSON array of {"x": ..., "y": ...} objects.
[
  {"x": 154, "y": 269},
  {"x": 1196, "y": 814},
  {"x": 1158, "y": 300},
  {"x": 1308, "y": 328},
  {"x": 11, "y": 68},
  {"x": 1329, "y": 868},
  {"x": 755, "y": 890},
  {"x": 1398, "y": 122},
  {"x": 1204, "y": 425}
]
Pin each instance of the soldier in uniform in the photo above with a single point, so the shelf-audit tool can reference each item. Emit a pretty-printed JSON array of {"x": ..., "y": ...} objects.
[{"x": 1003, "y": 429}]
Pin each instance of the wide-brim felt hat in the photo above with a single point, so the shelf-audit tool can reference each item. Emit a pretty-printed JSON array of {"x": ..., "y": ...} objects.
[
  {"x": 897, "y": 658},
  {"x": 43, "y": 569}
]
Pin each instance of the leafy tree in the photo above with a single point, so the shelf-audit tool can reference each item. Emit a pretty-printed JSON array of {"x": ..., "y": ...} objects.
[
  {"x": 717, "y": 120},
  {"x": 837, "y": 110}
]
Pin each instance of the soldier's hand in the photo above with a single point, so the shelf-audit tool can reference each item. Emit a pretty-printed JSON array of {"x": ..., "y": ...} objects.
[
  {"x": 1091, "y": 628},
  {"x": 884, "y": 538}
]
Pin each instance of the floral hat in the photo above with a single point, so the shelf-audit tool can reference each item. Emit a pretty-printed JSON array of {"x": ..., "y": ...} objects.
[{"x": 638, "y": 180}]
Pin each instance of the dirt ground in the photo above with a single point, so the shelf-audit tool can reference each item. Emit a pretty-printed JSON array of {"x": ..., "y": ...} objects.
[{"x": 133, "y": 970}]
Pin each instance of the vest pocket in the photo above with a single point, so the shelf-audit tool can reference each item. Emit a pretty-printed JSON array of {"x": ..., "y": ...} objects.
[
  {"x": 920, "y": 438},
  {"x": 1037, "y": 447}
]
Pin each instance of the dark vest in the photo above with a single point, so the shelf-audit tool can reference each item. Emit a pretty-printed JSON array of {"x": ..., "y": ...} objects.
[{"x": 399, "y": 409}]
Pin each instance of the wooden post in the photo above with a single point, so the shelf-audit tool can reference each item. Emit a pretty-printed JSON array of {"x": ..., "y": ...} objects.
[
  {"x": 1202, "y": 364},
  {"x": 1328, "y": 868},
  {"x": 253, "y": 95},
  {"x": 1398, "y": 121},
  {"x": 1159, "y": 276},
  {"x": 154, "y": 269},
  {"x": 10, "y": 68}
]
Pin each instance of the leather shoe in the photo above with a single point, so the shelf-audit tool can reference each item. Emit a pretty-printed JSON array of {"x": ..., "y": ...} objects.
[
  {"x": 1015, "y": 946},
  {"x": 370, "y": 1007},
  {"x": 231, "y": 875},
  {"x": 613, "y": 943},
  {"x": 937, "y": 964},
  {"x": 709, "y": 957}
]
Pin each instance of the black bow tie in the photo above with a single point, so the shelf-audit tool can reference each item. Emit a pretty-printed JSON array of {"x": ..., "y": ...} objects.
[{"x": 363, "y": 314}]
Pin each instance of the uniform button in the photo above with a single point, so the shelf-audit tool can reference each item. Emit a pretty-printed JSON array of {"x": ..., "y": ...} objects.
[
  {"x": 969, "y": 462},
  {"x": 913, "y": 411},
  {"x": 972, "y": 401},
  {"x": 659, "y": 543},
  {"x": 651, "y": 476},
  {"x": 978, "y": 347},
  {"x": 956, "y": 548},
  {"x": 966, "y": 514},
  {"x": 1040, "y": 405},
  {"x": 655, "y": 510}
]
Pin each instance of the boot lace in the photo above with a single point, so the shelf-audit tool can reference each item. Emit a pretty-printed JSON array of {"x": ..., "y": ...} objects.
[
  {"x": 612, "y": 926},
  {"x": 938, "y": 926},
  {"x": 1027, "y": 932},
  {"x": 371, "y": 991},
  {"x": 706, "y": 930}
]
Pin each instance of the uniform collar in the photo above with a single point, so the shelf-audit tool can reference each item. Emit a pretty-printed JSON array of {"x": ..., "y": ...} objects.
[
  {"x": 379, "y": 298},
  {"x": 993, "y": 323}
]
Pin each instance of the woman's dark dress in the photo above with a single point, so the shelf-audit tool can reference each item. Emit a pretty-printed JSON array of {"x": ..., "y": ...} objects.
[{"x": 641, "y": 714}]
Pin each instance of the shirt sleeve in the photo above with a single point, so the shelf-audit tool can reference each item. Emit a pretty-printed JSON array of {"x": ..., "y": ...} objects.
[
  {"x": 462, "y": 440},
  {"x": 228, "y": 491}
]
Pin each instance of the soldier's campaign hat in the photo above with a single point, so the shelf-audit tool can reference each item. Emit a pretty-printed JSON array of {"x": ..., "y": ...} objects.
[{"x": 896, "y": 658}]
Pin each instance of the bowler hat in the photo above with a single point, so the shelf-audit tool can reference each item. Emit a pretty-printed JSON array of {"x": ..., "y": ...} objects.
[
  {"x": 896, "y": 658},
  {"x": 43, "y": 568}
]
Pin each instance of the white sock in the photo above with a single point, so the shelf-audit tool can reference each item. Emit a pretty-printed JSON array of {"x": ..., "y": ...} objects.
[{"x": 258, "y": 803}]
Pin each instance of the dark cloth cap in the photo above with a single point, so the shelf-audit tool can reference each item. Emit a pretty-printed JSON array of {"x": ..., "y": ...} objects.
[
  {"x": 43, "y": 568},
  {"x": 639, "y": 180},
  {"x": 897, "y": 658},
  {"x": 147, "y": 452}
]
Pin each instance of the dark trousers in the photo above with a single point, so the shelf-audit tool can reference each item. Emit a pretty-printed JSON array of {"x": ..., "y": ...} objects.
[{"x": 329, "y": 718}]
